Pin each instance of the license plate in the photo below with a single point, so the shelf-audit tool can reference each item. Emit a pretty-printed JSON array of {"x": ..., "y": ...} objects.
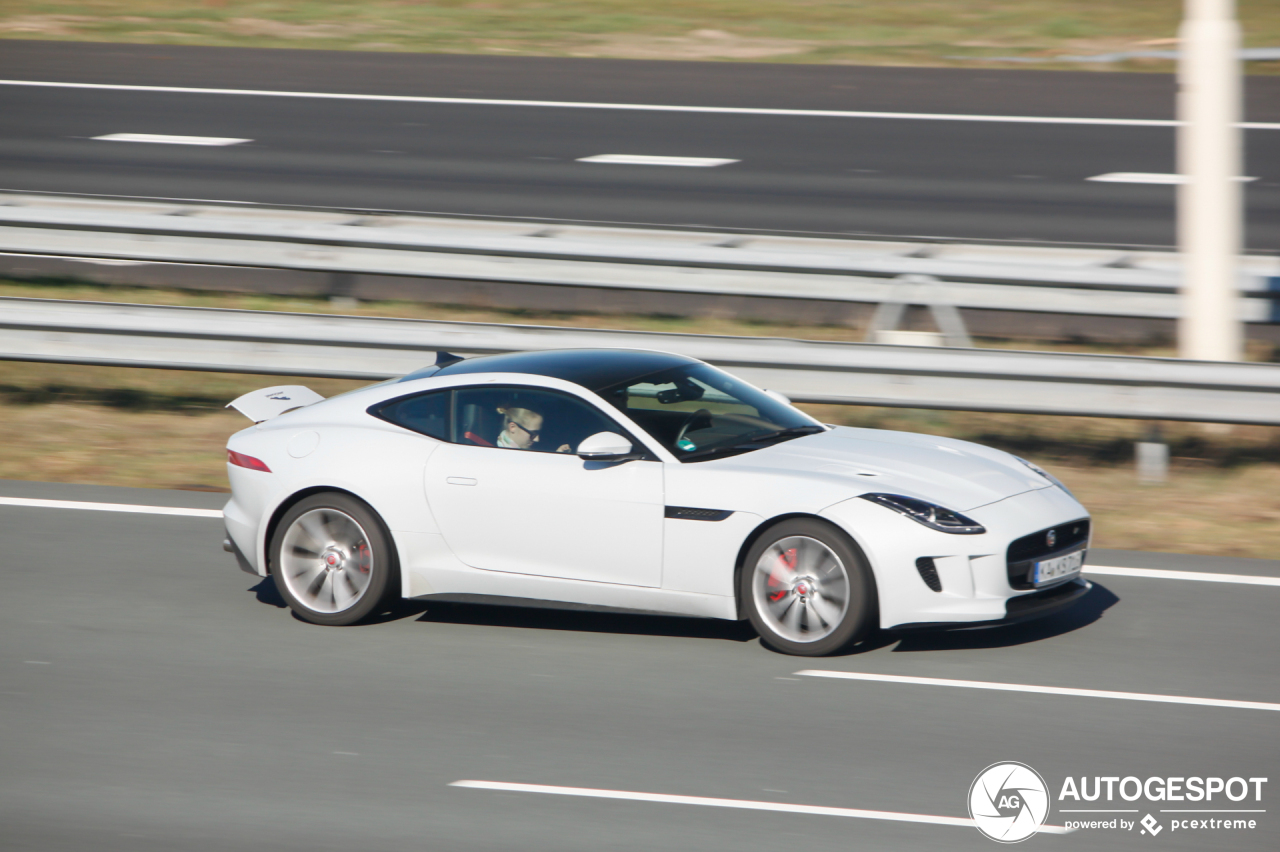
[{"x": 1056, "y": 569}]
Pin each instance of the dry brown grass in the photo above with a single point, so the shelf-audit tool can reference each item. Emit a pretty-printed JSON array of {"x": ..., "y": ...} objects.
[
  {"x": 114, "y": 426},
  {"x": 1210, "y": 511},
  {"x": 89, "y": 444},
  {"x": 917, "y": 32}
]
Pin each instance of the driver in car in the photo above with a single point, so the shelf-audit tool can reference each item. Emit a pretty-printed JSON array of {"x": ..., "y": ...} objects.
[{"x": 521, "y": 429}]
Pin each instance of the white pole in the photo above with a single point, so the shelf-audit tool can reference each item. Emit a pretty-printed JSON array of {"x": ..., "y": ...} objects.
[{"x": 1210, "y": 207}]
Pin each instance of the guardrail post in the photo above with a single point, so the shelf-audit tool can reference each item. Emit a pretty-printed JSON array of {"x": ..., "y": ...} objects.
[
  {"x": 1153, "y": 456},
  {"x": 918, "y": 290},
  {"x": 342, "y": 286},
  {"x": 1209, "y": 197}
]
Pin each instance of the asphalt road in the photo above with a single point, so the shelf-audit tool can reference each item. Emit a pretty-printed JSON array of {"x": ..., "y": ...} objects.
[
  {"x": 152, "y": 697},
  {"x": 811, "y": 174}
]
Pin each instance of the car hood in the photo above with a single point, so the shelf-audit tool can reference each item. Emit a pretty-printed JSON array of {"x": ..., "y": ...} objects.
[{"x": 956, "y": 474}]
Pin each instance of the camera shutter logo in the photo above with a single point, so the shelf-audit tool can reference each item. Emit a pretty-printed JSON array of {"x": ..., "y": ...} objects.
[{"x": 1008, "y": 802}]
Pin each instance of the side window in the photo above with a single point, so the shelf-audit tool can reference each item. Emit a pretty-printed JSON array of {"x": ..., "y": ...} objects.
[
  {"x": 522, "y": 418},
  {"x": 426, "y": 413}
]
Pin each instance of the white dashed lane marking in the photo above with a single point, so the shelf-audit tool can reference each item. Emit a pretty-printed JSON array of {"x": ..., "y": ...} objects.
[
  {"x": 1043, "y": 690},
  {"x": 156, "y": 139},
  {"x": 1147, "y": 177},
  {"x": 645, "y": 160}
]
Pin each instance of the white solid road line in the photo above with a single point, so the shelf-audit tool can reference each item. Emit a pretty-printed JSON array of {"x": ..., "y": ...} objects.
[
  {"x": 817, "y": 113},
  {"x": 743, "y": 804},
  {"x": 1147, "y": 177},
  {"x": 645, "y": 160},
  {"x": 1044, "y": 690},
  {"x": 110, "y": 507},
  {"x": 156, "y": 139},
  {"x": 1198, "y": 576}
]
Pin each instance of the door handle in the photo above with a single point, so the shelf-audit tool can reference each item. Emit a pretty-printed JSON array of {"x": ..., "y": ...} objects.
[{"x": 461, "y": 480}]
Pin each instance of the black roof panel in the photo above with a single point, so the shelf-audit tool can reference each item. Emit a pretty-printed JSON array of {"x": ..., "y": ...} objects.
[{"x": 594, "y": 369}]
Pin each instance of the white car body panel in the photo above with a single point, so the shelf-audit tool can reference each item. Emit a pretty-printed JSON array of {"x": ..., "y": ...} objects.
[
  {"x": 701, "y": 556},
  {"x": 553, "y": 527},
  {"x": 549, "y": 514},
  {"x": 956, "y": 474}
]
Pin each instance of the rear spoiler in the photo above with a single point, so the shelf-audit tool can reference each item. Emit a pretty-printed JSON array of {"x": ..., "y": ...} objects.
[{"x": 265, "y": 403}]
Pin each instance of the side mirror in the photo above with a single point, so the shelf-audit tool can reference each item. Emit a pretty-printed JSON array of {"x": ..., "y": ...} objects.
[
  {"x": 605, "y": 446},
  {"x": 779, "y": 397}
]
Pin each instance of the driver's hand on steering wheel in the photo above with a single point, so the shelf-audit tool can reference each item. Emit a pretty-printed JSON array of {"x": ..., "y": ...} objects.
[{"x": 563, "y": 448}]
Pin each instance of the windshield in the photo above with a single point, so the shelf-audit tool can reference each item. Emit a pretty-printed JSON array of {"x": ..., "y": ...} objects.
[{"x": 698, "y": 412}]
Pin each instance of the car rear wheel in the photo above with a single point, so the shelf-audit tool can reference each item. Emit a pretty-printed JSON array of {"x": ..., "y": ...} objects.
[
  {"x": 332, "y": 560},
  {"x": 807, "y": 589}
]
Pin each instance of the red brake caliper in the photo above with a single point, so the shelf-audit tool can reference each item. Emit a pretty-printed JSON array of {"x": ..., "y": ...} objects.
[{"x": 786, "y": 559}]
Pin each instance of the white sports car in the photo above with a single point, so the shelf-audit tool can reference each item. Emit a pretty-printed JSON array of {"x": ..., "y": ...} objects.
[{"x": 643, "y": 481}]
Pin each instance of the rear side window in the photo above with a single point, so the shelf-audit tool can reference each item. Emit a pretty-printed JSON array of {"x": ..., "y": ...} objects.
[{"x": 427, "y": 413}]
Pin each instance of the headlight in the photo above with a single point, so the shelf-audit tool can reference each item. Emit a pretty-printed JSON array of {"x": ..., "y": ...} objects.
[
  {"x": 1046, "y": 474},
  {"x": 931, "y": 515}
]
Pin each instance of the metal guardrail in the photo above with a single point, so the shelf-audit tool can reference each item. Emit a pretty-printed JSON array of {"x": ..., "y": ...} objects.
[
  {"x": 1088, "y": 282},
  {"x": 807, "y": 371}
]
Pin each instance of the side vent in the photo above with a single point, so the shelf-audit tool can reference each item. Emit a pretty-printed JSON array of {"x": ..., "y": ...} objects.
[
  {"x": 687, "y": 513},
  {"x": 929, "y": 573}
]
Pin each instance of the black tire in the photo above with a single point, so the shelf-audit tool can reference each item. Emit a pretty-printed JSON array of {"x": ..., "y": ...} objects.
[
  {"x": 807, "y": 589},
  {"x": 332, "y": 560}
]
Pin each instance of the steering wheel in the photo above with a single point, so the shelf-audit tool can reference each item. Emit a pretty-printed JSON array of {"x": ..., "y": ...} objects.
[{"x": 699, "y": 419}]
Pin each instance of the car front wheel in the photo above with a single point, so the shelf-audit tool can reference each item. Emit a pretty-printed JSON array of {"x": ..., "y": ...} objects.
[
  {"x": 807, "y": 589},
  {"x": 331, "y": 559}
]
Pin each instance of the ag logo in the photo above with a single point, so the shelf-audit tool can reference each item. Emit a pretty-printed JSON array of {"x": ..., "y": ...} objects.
[{"x": 1008, "y": 802}]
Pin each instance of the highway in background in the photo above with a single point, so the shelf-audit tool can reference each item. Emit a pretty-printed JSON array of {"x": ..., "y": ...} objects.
[
  {"x": 152, "y": 697},
  {"x": 995, "y": 180}
]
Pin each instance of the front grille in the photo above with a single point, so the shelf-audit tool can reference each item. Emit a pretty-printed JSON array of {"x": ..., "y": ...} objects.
[
  {"x": 929, "y": 573},
  {"x": 1030, "y": 548},
  {"x": 1036, "y": 545}
]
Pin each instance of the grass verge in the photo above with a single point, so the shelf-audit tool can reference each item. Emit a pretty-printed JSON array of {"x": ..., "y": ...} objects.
[{"x": 966, "y": 33}]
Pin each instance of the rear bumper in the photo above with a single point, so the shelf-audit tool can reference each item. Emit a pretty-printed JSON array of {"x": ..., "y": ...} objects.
[
  {"x": 1018, "y": 609},
  {"x": 242, "y": 531},
  {"x": 230, "y": 546}
]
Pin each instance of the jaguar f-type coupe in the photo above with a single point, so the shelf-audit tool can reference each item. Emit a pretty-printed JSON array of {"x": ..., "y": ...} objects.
[{"x": 642, "y": 481}]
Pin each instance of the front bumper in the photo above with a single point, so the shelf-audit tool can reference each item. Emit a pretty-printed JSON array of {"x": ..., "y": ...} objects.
[
  {"x": 939, "y": 580},
  {"x": 1022, "y": 608}
]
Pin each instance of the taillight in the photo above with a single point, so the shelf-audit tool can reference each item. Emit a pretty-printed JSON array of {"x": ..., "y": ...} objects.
[{"x": 241, "y": 460}]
